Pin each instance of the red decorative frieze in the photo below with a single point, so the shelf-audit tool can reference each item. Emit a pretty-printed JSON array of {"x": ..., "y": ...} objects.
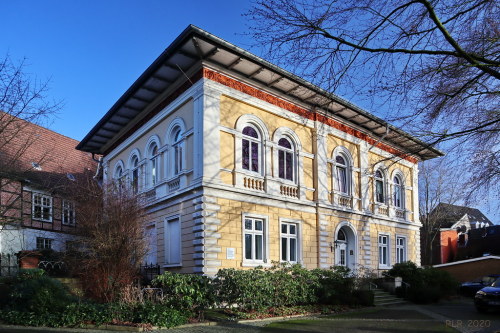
[{"x": 311, "y": 115}]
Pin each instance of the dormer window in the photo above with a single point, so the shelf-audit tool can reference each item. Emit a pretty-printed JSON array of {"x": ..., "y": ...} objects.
[{"x": 36, "y": 166}]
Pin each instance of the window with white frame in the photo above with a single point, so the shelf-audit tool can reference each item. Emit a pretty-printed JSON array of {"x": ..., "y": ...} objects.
[
  {"x": 251, "y": 149},
  {"x": 68, "y": 212},
  {"x": 118, "y": 176},
  {"x": 153, "y": 164},
  {"x": 172, "y": 241},
  {"x": 398, "y": 199},
  {"x": 379, "y": 187},
  {"x": 254, "y": 239},
  {"x": 383, "y": 250},
  {"x": 289, "y": 242},
  {"x": 134, "y": 175},
  {"x": 43, "y": 243},
  {"x": 400, "y": 249},
  {"x": 177, "y": 151},
  {"x": 41, "y": 207},
  {"x": 342, "y": 174},
  {"x": 286, "y": 160}
]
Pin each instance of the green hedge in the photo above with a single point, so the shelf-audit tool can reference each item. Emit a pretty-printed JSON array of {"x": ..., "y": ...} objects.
[
  {"x": 426, "y": 284},
  {"x": 38, "y": 300}
]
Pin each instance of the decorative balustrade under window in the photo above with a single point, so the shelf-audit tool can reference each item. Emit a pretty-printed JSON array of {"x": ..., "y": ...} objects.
[
  {"x": 289, "y": 191},
  {"x": 343, "y": 201},
  {"x": 174, "y": 185},
  {"x": 381, "y": 210},
  {"x": 400, "y": 214},
  {"x": 150, "y": 196},
  {"x": 253, "y": 183}
]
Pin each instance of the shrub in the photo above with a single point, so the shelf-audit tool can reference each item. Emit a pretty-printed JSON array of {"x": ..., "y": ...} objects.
[
  {"x": 335, "y": 285},
  {"x": 283, "y": 285},
  {"x": 185, "y": 291},
  {"x": 32, "y": 291},
  {"x": 426, "y": 284},
  {"x": 159, "y": 315}
]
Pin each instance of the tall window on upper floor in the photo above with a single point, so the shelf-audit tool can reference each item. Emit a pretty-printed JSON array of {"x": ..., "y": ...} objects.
[
  {"x": 251, "y": 149},
  {"x": 286, "y": 160},
  {"x": 118, "y": 176},
  {"x": 41, "y": 207},
  {"x": 153, "y": 165},
  {"x": 177, "y": 151},
  {"x": 379, "y": 187},
  {"x": 134, "y": 175},
  {"x": 398, "y": 192},
  {"x": 342, "y": 174}
]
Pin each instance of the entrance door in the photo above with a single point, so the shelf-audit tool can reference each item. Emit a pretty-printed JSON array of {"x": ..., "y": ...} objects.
[{"x": 341, "y": 246}]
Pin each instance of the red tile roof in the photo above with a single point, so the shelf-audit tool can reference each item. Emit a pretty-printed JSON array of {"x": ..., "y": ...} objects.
[{"x": 23, "y": 143}]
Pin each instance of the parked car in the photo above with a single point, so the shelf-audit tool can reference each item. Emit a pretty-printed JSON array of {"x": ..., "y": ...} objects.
[
  {"x": 488, "y": 298},
  {"x": 472, "y": 287}
]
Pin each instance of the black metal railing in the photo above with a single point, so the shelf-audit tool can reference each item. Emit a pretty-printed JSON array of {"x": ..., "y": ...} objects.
[{"x": 149, "y": 272}]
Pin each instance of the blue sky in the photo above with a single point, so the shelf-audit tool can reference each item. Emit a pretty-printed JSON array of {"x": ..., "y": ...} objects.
[{"x": 92, "y": 51}]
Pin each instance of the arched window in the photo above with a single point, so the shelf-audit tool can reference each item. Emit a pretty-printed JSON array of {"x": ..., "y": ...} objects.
[
  {"x": 118, "y": 175},
  {"x": 286, "y": 163},
  {"x": 153, "y": 165},
  {"x": 342, "y": 183},
  {"x": 379, "y": 187},
  {"x": 398, "y": 192},
  {"x": 251, "y": 149},
  {"x": 118, "y": 172},
  {"x": 177, "y": 151},
  {"x": 134, "y": 176}
]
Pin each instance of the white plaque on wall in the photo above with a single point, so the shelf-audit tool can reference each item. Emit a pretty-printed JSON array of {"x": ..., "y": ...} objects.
[{"x": 230, "y": 253}]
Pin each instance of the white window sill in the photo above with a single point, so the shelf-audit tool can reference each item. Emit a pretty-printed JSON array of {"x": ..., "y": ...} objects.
[
  {"x": 41, "y": 220},
  {"x": 255, "y": 264},
  {"x": 172, "y": 265}
]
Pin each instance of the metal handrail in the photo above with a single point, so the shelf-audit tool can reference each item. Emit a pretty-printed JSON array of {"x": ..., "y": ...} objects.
[{"x": 392, "y": 277}]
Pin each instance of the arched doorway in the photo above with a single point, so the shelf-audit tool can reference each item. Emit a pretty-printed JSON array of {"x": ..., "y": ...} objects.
[{"x": 345, "y": 247}]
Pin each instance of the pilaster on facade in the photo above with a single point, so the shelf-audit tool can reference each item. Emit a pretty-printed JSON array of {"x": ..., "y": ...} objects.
[
  {"x": 414, "y": 176},
  {"x": 321, "y": 165},
  {"x": 364, "y": 166},
  {"x": 324, "y": 242},
  {"x": 208, "y": 121},
  {"x": 206, "y": 235},
  {"x": 366, "y": 242}
]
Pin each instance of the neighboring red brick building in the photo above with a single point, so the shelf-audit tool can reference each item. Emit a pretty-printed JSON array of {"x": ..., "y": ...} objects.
[
  {"x": 458, "y": 228},
  {"x": 36, "y": 167}
]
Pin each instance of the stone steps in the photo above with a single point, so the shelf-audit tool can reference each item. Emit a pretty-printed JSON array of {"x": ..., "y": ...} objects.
[{"x": 383, "y": 298}]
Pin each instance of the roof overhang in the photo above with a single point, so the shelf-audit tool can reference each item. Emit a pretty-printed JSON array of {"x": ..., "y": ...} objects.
[{"x": 195, "y": 48}]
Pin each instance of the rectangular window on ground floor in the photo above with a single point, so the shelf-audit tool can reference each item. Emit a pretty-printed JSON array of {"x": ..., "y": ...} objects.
[
  {"x": 383, "y": 250},
  {"x": 43, "y": 243},
  {"x": 289, "y": 242},
  {"x": 173, "y": 241},
  {"x": 400, "y": 249},
  {"x": 254, "y": 240}
]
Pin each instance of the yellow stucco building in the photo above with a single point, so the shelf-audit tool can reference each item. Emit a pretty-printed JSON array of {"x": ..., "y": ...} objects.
[{"x": 242, "y": 163}]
